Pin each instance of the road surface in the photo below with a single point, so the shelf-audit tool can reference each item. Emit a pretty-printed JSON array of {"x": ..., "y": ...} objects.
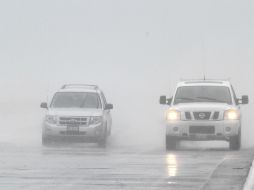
[{"x": 79, "y": 167}]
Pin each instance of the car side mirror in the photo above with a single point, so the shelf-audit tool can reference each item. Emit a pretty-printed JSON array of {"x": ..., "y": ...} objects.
[
  {"x": 163, "y": 100},
  {"x": 108, "y": 107},
  {"x": 44, "y": 105},
  {"x": 245, "y": 99}
]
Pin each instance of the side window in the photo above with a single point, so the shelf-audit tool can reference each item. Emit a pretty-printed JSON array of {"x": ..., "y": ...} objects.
[
  {"x": 234, "y": 94},
  {"x": 103, "y": 98}
]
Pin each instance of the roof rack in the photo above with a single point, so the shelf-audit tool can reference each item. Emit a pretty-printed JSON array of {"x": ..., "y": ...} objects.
[{"x": 79, "y": 86}]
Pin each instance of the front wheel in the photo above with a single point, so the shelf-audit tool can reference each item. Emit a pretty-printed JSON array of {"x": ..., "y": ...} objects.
[
  {"x": 46, "y": 141},
  {"x": 235, "y": 142},
  {"x": 171, "y": 143},
  {"x": 102, "y": 142}
]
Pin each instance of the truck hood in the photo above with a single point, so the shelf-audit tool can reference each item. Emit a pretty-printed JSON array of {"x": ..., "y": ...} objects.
[
  {"x": 203, "y": 107},
  {"x": 75, "y": 112}
]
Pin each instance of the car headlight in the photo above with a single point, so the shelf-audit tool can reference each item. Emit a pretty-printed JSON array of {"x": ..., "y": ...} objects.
[
  {"x": 231, "y": 114},
  {"x": 173, "y": 115},
  {"x": 95, "y": 120},
  {"x": 51, "y": 119}
]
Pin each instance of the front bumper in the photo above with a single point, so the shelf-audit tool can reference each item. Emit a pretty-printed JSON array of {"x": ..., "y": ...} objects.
[
  {"x": 221, "y": 130},
  {"x": 85, "y": 133}
]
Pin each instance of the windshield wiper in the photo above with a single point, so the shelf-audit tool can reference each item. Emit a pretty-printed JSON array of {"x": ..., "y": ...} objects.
[
  {"x": 210, "y": 99},
  {"x": 184, "y": 100}
]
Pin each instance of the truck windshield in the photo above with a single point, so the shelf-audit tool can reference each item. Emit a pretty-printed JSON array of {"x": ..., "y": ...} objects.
[
  {"x": 76, "y": 100},
  {"x": 189, "y": 94}
]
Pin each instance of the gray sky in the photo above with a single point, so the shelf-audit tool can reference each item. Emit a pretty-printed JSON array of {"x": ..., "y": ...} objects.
[{"x": 135, "y": 50}]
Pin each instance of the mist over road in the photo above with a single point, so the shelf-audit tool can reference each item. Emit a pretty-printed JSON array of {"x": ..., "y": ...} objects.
[
  {"x": 79, "y": 166},
  {"x": 135, "y": 50}
]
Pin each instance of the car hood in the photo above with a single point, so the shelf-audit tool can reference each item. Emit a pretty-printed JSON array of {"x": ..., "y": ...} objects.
[
  {"x": 203, "y": 107},
  {"x": 75, "y": 112}
]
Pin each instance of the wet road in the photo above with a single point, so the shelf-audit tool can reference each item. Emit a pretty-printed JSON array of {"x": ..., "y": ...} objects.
[{"x": 87, "y": 167}]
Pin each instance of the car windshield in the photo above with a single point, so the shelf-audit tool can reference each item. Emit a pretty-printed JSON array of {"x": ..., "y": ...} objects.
[
  {"x": 189, "y": 94},
  {"x": 76, "y": 100}
]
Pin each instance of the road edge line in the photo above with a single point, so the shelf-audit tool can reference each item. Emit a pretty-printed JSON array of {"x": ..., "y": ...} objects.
[
  {"x": 211, "y": 174},
  {"x": 249, "y": 184}
]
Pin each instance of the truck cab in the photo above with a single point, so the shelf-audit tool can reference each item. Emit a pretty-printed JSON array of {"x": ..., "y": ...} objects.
[{"x": 203, "y": 110}]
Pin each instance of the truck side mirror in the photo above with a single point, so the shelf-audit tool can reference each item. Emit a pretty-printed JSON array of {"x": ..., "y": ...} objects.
[
  {"x": 245, "y": 99},
  {"x": 169, "y": 101},
  {"x": 44, "y": 105},
  {"x": 163, "y": 100}
]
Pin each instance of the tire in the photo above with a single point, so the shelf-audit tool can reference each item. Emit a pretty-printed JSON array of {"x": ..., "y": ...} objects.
[
  {"x": 235, "y": 142},
  {"x": 171, "y": 143},
  {"x": 102, "y": 142},
  {"x": 46, "y": 141},
  {"x": 109, "y": 132}
]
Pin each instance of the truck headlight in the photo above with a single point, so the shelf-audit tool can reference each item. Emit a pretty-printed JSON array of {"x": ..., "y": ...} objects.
[
  {"x": 173, "y": 115},
  {"x": 95, "y": 120},
  {"x": 51, "y": 119},
  {"x": 231, "y": 114}
]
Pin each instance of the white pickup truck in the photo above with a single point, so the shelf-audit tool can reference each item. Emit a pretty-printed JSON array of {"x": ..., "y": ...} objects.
[{"x": 202, "y": 110}]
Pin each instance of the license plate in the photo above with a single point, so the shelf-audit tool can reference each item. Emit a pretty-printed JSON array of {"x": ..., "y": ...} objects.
[
  {"x": 202, "y": 130},
  {"x": 73, "y": 128}
]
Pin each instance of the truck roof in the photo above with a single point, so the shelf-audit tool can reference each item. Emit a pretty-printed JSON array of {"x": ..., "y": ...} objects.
[{"x": 204, "y": 83}]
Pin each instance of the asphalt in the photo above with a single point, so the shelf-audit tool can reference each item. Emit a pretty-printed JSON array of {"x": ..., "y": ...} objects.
[{"x": 78, "y": 166}]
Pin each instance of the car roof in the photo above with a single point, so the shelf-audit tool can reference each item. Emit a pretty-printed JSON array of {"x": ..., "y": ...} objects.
[
  {"x": 79, "y": 88},
  {"x": 204, "y": 83}
]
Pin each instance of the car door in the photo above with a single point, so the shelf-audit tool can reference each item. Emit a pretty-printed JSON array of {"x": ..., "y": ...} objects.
[{"x": 107, "y": 113}]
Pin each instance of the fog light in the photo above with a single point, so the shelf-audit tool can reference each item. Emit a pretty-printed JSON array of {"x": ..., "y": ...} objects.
[
  {"x": 175, "y": 129},
  {"x": 228, "y": 129}
]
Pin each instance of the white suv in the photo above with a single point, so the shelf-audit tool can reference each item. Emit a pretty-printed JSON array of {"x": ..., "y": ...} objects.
[
  {"x": 204, "y": 110},
  {"x": 78, "y": 112}
]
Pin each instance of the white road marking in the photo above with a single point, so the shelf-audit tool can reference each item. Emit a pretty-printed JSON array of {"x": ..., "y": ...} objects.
[{"x": 249, "y": 185}]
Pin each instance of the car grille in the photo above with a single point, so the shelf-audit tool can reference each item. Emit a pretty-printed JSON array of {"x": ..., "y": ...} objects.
[
  {"x": 72, "y": 133},
  {"x": 73, "y": 121},
  {"x": 201, "y": 130}
]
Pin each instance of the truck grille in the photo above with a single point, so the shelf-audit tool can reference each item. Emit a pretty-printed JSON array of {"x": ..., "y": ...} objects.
[
  {"x": 188, "y": 115},
  {"x": 76, "y": 121},
  {"x": 216, "y": 115},
  {"x": 202, "y": 115},
  {"x": 202, "y": 130}
]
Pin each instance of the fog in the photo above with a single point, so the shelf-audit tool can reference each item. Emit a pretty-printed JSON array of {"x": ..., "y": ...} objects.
[{"x": 135, "y": 50}]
